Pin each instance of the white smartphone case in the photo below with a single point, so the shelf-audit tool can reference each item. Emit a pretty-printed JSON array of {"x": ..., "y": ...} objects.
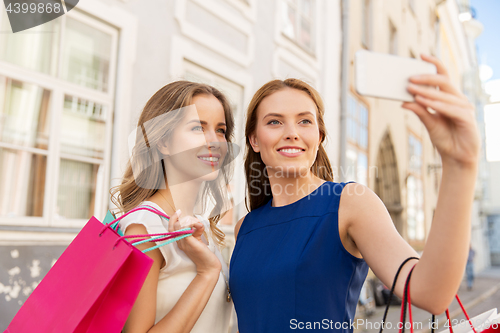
[{"x": 385, "y": 75}]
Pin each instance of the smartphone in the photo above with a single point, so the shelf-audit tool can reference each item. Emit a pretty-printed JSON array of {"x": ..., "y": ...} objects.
[{"x": 386, "y": 75}]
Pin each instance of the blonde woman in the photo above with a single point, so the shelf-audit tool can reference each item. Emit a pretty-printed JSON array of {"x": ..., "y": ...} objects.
[
  {"x": 181, "y": 153},
  {"x": 303, "y": 251}
]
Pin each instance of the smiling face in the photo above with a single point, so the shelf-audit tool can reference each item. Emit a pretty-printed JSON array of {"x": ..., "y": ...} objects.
[
  {"x": 287, "y": 135},
  {"x": 198, "y": 145}
]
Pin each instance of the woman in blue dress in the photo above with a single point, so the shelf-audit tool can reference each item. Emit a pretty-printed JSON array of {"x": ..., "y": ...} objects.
[{"x": 303, "y": 251}]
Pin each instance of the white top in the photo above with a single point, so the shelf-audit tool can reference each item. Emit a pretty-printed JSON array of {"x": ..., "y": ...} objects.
[{"x": 178, "y": 273}]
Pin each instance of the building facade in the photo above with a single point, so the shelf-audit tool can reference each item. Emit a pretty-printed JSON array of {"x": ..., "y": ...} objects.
[
  {"x": 389, "y": 149},
  {"x": 458, "y": 31},
  {"x": 71, "y": 92}
]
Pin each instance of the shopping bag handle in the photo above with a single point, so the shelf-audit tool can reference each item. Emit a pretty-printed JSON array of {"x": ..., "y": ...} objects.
[
  {"x": 168, "y": 237},
  {"x": 142, "y": 207},
  {"x": 391, "y": 294},
  {"x": 406, "y": 298}
]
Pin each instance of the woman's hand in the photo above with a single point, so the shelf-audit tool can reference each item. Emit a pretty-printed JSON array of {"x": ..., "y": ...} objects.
[
  {"x": 452, "y": 128},
  {"x": 205, "y": 260}
]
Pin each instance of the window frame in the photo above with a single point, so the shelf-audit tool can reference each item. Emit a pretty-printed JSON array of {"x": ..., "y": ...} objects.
[
  {"x": 393, "y": 37},
  {"x": 211, "y": 41},
  {"x": 214, "y": 80},
  {"x": 299, "y": 15},
  {"x": 367, "y": 24},
  {"x": 58, "y": 88},
  {"x": 412, "y": 4}
]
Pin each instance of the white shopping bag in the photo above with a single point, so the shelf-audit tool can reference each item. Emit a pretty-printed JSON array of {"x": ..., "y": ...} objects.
[{"x": 480, "y": 322}]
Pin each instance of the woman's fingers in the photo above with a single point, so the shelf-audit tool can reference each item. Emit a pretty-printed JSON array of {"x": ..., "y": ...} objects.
[
  {"x": 198, "y": 229},
  {"x": 434, "y": 94},
  {"x": 441, "y": 79},
  {"x": 187, "y": 221},
  {"x": 197, "y": 232},
  {"x": 441, "y": 69},
  {"x": 436, "y": 80},
  {"x": 448, "y": 110},
  {"x": 427, "y": 118},
  {"x": 447, "y": 101},
  {"x": 447, "y": 104},
  {"x": 173, "y": 220}
]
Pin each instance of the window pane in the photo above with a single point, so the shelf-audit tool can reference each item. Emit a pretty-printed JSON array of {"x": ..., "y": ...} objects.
[
  {"x": 352, "y": 104},
  {"x": 412, "y": 5},
  {"x": 363, "y": 115},
  {"x": 411, "y": 187},
  {"x": 415, "y": 154},
  {"x": 366, "y": 23},
  {"x": 289, "y": 20},
  {"x": 86, "y": 55},
  {"x": 363, "y": 138},
  {"x": 351, "y": 165},
  {"x": 233, "y": 91},
  {"x": 419, "y": 218},
  {"x": 305, "y": 33},
  {"x": 306, "y": 7},
  {"x": 77, "y": 188},
  {"x": 351, "y": 129},
  {"x": 415, "y": 208},
  {"x": 83, "y": 128},
  {"x": 22, "y": 175},
  {"x": 35, "y": 49},
  {"x": 393, "y": 39},
  {"x": 362, "y": 171},
  {"x": 24, "y": 116}
]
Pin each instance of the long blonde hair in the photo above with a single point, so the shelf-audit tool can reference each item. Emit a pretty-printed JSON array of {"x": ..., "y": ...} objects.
[
  {"x": 137, "y": 188},
  {"x": 255, "y": 169}
]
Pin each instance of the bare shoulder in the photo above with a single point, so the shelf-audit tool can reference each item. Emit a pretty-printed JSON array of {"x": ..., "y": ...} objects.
[
  {"x": 136, "y": 229},
  {"x": 359, "y": 206},
  {"x": 359, "y": 199},
  {"x": 238, "y": 226},
  {"x": 139, "y": 229}
]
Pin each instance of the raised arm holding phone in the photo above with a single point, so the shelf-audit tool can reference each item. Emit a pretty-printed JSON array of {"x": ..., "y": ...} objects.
[{"x": 303, "y": 251}]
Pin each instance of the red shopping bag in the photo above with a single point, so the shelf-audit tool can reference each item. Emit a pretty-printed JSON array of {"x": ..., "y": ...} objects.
[
  {"x": 92, "y": 286},
  {"x": 487, "y": 322}
]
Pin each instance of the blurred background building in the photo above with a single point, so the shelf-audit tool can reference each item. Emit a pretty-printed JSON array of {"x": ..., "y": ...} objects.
[{"x": 72, "y": 90}]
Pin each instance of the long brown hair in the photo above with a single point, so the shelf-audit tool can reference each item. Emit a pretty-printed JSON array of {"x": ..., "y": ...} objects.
[
  {"x": 259, "y": 188},
  {"x": 138, "y": 187}
]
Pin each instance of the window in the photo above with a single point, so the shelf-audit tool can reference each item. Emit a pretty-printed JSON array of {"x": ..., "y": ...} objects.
[
  {"x": 234, "y": 93},
  {"x": 357, "y": 138},
  {"x": 231, "y": 90},
  {"x": 55, "y": 120},
  {"x": 393, "y": 39},
  {"x": 298, "y": 22},
  {"x": 411, "y": 4},
  {"x": 415, "y": 193},
  {"x": 415, "y": 154},
  {"x": 366, "y": 24},
  {"x": 432, "y": 18}
]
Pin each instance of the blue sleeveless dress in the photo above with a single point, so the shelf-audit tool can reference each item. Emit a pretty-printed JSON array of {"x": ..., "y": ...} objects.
[{"x": 289, "y": 270}]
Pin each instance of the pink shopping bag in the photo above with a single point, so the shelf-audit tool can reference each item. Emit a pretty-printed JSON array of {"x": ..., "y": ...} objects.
[{"x": 92, "y": 286}]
